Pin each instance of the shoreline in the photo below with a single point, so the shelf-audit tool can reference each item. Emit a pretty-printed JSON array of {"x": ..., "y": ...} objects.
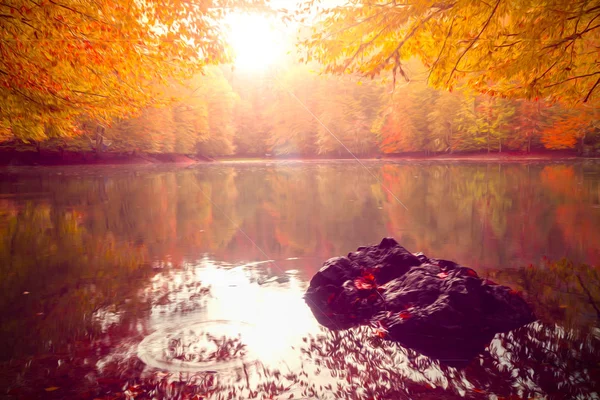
[{"x": 32, "y": 158}]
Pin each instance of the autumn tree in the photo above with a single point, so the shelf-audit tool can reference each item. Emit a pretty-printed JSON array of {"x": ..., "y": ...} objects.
[
  {"x": 531, "y": 117},
  {"x": 569, "y": 130},
  {"x": 251, "y": 119},
  {"x": 199, "y": 120},
  {"x": 403, "y": 125},
  {"x": 214, "y": 90},
  {"x": 443, "y": 121},
  {"x": 397, "y": 133},
  {"x": 191, "y": 125},
  {"x": 153, "y": 131},
  {"x": 493, "y": 118},
  {"x": 293, "y": 127},
  {"x": 348, "y": 109},
  {"x": 514, "y": 48},
  {"x": 62, "y": 60}
]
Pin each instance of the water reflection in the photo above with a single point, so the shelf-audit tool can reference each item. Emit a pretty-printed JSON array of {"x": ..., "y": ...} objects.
[
  {"x": 267, "y": 316},
  {"x": 120, "y": 282}
]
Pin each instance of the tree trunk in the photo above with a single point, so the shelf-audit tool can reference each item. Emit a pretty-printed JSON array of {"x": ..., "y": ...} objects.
[
  {"x": 581, "y": 145},
  {"x": 99, "y": 140}
]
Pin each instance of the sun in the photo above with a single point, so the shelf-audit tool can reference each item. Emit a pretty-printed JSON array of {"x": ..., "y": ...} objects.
[{"x": 255, "y": 40}]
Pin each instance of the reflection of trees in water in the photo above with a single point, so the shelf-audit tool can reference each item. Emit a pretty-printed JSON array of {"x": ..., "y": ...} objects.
[
  {"x": 78, "y": 253},
  {"x": 493, "y": 214},
  {"x": 57, "y": 277},
  {"x": 557, "y": 358},
  {"x": 477, "y": 214},
  {"x": 562, "y": 292},
  {"x": 536, "y": 360}
]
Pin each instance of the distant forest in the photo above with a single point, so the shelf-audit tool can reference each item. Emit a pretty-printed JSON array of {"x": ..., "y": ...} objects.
[{"x": 295, "y": 111}]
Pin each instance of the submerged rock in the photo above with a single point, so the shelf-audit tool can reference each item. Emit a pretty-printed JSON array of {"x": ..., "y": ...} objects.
[{"x": 437, "y": 307}]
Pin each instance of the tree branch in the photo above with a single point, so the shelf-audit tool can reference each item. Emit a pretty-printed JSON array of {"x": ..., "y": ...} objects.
[
  {"x": 89, "y": 94},
  {"x": 441, "y": 7},
  {"x": 591, "y": 90},
  {"x": 542, "y": 75},
  {"x": 442, "y": 49},
  {"x": 75, "y": 11},
  {"x": 589, "y": 295},
  {"x": 363, "y": 46},
  {"x": 573, "y": 36},
  {"x": 570, "y": 79},
  {"x": 473, "y": 41},
  {"x": 353, "y": 25},
  {"x": 509, "y": 44}
]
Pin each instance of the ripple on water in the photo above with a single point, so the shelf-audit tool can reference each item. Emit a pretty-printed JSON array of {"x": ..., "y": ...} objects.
[{"x": 205, "y": 346}]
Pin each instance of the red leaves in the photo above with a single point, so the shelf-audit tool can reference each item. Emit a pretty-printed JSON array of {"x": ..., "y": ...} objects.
[
  {"x": 331, "y": 298},
  {"x": 472, "y": 273},
  {"x": 362, "y": 284},
  {"x": 366, "y": 281},
  {"x": 368, "y": 276},
  {"x": 380, "y": 333},
  {"x": 380, "y": 329},
  {"x": 404, "y": 315}
]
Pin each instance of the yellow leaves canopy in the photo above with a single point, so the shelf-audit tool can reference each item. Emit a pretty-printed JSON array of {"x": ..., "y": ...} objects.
[
  {"x": 513, "y": 48},
  {"x": 64, "y": 59}
]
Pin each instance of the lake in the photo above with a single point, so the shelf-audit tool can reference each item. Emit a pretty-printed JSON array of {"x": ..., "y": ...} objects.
[{"x": 187, "y": 282}]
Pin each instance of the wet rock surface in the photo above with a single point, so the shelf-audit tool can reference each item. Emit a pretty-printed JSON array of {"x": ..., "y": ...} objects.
[{"x": 437, "y": 307}]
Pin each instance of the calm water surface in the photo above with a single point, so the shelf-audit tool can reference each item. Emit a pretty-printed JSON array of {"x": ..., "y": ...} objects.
[{"x": 187, "y": 283}]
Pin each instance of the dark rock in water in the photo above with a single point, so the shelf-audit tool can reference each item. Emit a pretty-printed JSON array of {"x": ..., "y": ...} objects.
[{"x": 437, "y": 307}]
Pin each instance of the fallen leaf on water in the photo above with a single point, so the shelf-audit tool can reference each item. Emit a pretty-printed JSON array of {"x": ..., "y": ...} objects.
[{"x": 51, "y": 388}]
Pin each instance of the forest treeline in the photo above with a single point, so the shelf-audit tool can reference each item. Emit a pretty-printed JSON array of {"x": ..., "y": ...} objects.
[
  {"x": 110, "y": 62},
  {"x": 299, "y": 112}
]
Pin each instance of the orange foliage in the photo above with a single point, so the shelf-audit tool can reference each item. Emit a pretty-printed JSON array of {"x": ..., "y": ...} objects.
[
  {"x": 397, "y": 134},
  {"x": 565, "y": 133}
]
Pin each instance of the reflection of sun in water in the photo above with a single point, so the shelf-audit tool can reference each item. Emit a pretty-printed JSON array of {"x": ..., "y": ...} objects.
[
  {"x": 270, "y": 319},
  {"x": 255, "y": 41}
]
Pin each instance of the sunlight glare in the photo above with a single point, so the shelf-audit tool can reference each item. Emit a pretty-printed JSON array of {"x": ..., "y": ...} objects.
[{"x": 255, "y": 41}]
